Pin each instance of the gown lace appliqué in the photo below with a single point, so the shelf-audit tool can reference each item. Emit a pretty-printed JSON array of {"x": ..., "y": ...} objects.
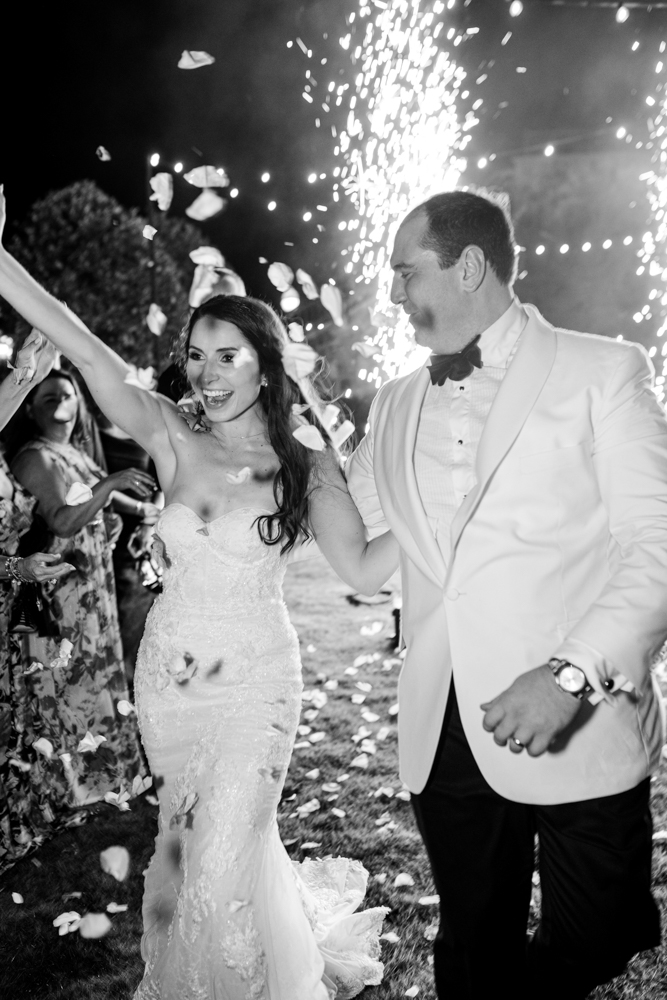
[{"x": 227, "y": 915}]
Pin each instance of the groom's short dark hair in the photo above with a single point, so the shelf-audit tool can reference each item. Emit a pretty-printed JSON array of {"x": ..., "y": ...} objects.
[{"x": 458, "y": 219}]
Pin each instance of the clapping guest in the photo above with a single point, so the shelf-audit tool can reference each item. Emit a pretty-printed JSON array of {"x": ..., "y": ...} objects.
[{"x": 80, "y": 694}]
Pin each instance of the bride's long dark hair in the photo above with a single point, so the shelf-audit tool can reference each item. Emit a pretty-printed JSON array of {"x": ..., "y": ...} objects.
[{"x": 293, "y": 482}]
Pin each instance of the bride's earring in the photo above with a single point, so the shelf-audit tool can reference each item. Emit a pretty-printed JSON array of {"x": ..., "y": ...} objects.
[{"x": 263, "y": 381}]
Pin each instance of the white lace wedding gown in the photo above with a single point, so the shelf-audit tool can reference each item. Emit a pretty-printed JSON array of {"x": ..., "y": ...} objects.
[{"x": 227, "y": 915}]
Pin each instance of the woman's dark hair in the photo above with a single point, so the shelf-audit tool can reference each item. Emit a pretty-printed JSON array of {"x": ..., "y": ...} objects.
[
  {"x": 22, "y": 428},
  {"x": 458, "y": 219},
  {"x": 266, "y": 333}
]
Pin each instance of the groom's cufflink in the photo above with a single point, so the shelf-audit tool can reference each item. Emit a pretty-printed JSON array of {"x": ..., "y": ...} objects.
[{"x": 570, "y": 678}]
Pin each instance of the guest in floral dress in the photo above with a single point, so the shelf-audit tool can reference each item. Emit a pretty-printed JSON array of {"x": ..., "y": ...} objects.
[{"x": 78, "y": 694}]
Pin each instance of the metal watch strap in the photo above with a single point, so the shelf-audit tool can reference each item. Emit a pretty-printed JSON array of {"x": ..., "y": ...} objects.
[{"x": 556, "y": 665}]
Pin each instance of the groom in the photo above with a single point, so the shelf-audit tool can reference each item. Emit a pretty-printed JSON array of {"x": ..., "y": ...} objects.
[{"x": 524, "y": 474}]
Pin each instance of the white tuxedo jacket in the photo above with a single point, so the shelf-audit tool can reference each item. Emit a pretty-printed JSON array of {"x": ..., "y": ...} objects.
[{"x": 564, "y": 535}]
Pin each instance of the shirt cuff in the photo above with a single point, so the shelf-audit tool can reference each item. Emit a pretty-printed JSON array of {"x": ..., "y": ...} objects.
[{"x": 605, "y": 682}]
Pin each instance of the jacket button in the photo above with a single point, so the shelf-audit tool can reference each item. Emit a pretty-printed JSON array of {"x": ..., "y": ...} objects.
[{"x": 452, "y": 594}]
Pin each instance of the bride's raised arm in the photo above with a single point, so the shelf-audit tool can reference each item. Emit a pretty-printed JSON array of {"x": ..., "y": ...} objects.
[
  {"x": 339, "y": 532},
  {"x": 137, "y": 412}
]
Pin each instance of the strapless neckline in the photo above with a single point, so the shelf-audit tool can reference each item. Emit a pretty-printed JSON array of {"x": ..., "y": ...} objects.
[{"x": 234, "y": 510}]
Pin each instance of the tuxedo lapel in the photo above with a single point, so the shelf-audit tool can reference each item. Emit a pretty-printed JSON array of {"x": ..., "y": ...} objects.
[
  {"x": 516, "y": 397},
  {"x": 396, "y": 480}
]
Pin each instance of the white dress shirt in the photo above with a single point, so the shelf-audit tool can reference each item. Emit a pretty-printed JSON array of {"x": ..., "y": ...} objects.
[{"x": 451, "y": 423}]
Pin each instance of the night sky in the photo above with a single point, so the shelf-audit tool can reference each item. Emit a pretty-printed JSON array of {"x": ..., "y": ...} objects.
[{"x": 78, "y": 75}]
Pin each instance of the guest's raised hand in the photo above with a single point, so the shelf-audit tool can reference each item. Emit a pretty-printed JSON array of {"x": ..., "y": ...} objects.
[
  {"x": 135, "y": 480},
  {"x": 530, "y": 713},
  {"x": 35, "y": 359},
  {"x": 43, "y": 566}
]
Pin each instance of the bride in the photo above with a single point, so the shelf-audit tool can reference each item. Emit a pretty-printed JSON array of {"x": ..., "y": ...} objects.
[{"x": 218, "y": 683}]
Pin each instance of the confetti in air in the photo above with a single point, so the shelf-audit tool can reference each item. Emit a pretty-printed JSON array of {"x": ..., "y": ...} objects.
[{"x": 402, "y": 142}]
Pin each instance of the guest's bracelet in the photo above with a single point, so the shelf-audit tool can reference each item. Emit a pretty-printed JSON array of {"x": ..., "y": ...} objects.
[
  {"x": 11, "y": 566},
  {"x": 140, "y": 509}
]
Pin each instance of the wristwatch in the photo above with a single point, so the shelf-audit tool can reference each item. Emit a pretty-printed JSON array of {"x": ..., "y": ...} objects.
[{"x": 570, "y": 679}]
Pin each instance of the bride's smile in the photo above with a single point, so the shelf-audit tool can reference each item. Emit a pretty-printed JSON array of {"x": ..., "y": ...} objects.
[{"x": 223, "y": 370}]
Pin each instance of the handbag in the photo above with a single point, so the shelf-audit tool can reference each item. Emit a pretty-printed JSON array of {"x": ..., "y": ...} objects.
[{"x": 30, "y": 613}]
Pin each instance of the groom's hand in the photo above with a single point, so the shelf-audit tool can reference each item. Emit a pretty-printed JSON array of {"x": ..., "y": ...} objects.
[{"x": 532, "y": 711}]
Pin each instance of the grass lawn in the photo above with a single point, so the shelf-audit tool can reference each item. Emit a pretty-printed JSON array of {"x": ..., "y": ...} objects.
[{"x": 377, "y": 827}]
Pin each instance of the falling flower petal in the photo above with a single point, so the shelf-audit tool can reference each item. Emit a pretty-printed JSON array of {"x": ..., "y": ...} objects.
[
  {"x": 385, "y": 790},
  {"x": 298, "y": 360},
  {"x": 115, "y": 861},
  {"x": 148, "y": 232},
  {"x": 234, "y": 905},
  {"x": 67, "y": 922},
  {"x": 44, "y": 746},
  {"x": 209, "y": 256},
  {"x": 139, "y": 784},
  {"x": 331, "y": 685},
  {"x": 125, "y": 707},
  {"x": 317, "y": 737},
  {"x": 332, "y": 300},
  {"x": 371, "y": 629},
  {"x": 237, "y": 478},
  {"x": 102, "y": 154},
  {"x": 381, "y": 878},
  {"x": 191, "y": 59},
  {"x": 660, "y": 835},
  {"x": 90, "y": 743},
  {"x": 156, "y": 321},
  {"x": 207, "y": 177},
  {"x": 309, "y": 436},
  {"x": 22, "y": 765},
  {"x": 17, "y": 897},
  {"x": 307, "y": 284},
  {"x": 342, "y": 433},
  {"x": 412, "y": 992},
  {"x": 370, "y": 716},
  {"x": 152, "y": 799},
  {"x": 94, "y": 925},
  {"x": 364, "y": 686},
  {"x": 340, "y": 813},
  {"x": 394, "y": 709},
  {"x": 242, "y": 357},
  {"x": 280, "y": 275},
  {"x": 296, "y": 332},
  {"x": 358, "y": 699},
  {"x": 431, "y": 931},
  {"x": 116, "y": 907},
  {"x": 382, "y": 733},
  {"x": 368, "y": 746},
  {"x": 118, "y": 799},
  {"x": 205, "y": 206},
  {"x": 309, "y": 807},
  {"x": 312, "y": 775},
  {"x": 391, "y": 937},
  {"x": 365, "y": 348},
  {"x": 403, "y": 879},
  {"x": 404, "y": 795},
  {"x": 360, "y": 761},
  {"x": 162, "y": 185},
  {"x": 428, "y": 900},
  {"x": 78, "y": 493}
]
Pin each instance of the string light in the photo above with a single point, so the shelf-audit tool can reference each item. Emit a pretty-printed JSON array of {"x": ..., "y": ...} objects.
[
  {"x": 622, "y": 14},
  {"x": 154, "y": 160},
  {"x": 178, "y": 167},
  {"x": 516, "y": 8}
]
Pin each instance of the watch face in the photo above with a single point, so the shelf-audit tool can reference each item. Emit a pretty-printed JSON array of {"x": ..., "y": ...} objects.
[{"x": 572, "y": 679}]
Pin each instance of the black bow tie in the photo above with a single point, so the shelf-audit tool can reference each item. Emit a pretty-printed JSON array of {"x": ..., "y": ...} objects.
[{"x": 455, "y": 366}]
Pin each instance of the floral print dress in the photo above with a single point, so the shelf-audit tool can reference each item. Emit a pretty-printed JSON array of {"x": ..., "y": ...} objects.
[{"x": 64, "y": 698}]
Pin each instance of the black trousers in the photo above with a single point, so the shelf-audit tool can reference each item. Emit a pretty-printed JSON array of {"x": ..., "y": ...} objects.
[{"x": 595, "y": 874}]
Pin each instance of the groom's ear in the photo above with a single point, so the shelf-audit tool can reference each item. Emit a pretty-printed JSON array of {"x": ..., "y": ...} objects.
[{"x": 473, "y": 268}]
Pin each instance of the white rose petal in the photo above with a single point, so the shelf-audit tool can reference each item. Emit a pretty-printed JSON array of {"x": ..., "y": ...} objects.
[
  {"x": 280, "y": 275},
  {"x": 162, "y": 185},
  {"x": 116, "y": 907},
  {"x": 358, "y": 699},
  {"x": 412, "y": 992},
  {"x": 148, "y": 232},
  {"x": 342, "y": 433},
  {"x": 44, "y": 746},
  {"x": 298, "y": 360},
  {"x": 309, "y": 807},
  {"x": 361, "y": 761},
  {"x": 309, "y": 436},
  {"x": 103, "y": 154},
  {"x": 340, "y": 813},
  {"x": 393, "y": 710},
  {"x": 365, "y": 348},
  {"x": 312, "y": 775},
  {"x": 125, "y": 707},
  {"x": 403, "y": 879},
  {"x": 391, "y": 937},
  {"x": 370, "y": 716},
  {"x": 156, "y": 320},
  {"x": 139, "y": 784},
  {"x": 381, "y": 878},
  {"x": 404, "y": 794},
  {"x": 115, "y": 861},
  {"x": 332, "y": 300},
  {"x": 205, "y": 206},
  {"x": 382, "y": 733},
  {"x": 351, "y": 671},
  {"x": 207, "y": 176},
  {"x": 307, "y": 284},
  {"x": 296, "y": 332},
  {"x": 17, "y": 897},
  {"x": 238, "y": 478},
  {"x": 78, "y": 493},
  {"x": 90, "y": 743},
  {"x": 317, "y": 737},
  {"x": 371, "y": 629},
  {"x": 210, "y": 256},
  {"x": 428, "y": 900},
  {"x": 94, "y": 925},
  {"x": 191, "y": 59},
  {"x": 310, "y": 845}
]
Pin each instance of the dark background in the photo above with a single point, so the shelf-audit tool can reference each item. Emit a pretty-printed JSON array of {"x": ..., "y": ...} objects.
[{"x": 78, "y": 75}]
